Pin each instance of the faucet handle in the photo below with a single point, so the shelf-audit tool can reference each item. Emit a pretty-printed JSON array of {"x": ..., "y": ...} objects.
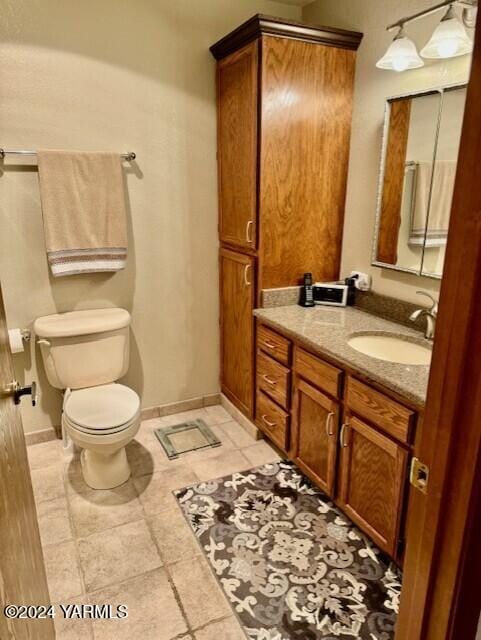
[{"x": 434, "y": 305}]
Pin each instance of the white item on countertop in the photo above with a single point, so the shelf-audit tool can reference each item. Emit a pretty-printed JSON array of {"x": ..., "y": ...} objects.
[{"x": 362, "y": 280}]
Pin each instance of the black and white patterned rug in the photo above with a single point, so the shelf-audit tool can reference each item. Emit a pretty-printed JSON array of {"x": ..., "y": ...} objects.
[{"x": 290, "y": 563}]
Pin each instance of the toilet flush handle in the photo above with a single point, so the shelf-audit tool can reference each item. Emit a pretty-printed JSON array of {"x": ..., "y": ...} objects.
[{"x": 43, "y": 341}]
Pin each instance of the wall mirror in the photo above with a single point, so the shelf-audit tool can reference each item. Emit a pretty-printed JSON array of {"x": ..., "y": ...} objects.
[{"x": 420, "y": 147}]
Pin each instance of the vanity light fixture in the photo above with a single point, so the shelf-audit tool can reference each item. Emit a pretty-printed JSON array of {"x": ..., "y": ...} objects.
[
  {"x": 401, "y": 54},
  {"x": 449, "y": 39}
]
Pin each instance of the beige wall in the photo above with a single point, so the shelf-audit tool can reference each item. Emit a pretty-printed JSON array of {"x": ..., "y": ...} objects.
[
  {"x": 118, "y": 75},
  {"x": 372, "y": 88}
]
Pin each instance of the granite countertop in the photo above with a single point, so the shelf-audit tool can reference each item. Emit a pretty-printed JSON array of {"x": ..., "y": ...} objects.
[{"x": 326, "y": 330}]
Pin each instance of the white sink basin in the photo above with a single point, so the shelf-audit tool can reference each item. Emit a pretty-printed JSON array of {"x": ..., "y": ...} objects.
[{"x": 391, "y": 348}]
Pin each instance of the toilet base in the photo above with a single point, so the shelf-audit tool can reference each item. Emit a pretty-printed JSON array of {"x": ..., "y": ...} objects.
[{"x": 104, "y": 471}]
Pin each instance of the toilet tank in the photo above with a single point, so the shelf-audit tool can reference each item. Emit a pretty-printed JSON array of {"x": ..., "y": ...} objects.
[{"x": 84, "y": 348}]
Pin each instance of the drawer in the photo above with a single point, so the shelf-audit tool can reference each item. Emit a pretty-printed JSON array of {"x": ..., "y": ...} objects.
[
  {"x": 390, "y": 416},
  {"x": 317, "y": 372},
  {"x": 275, "y": 345},
  {"x": 272, "y": 420},
  {"x": 273, "y": 378}
]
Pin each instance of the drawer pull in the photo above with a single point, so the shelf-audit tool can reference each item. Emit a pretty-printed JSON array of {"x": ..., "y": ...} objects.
[
  {"x": 343, "y": 429},
  {"x": 329, "y": 418},
  {"x": 269, "y": 380},
  {"x": 266, "y": 421},
  {"x": 269, "y": 345}
]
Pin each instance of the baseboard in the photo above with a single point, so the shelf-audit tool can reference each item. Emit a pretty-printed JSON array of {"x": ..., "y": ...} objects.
[
  {"x": 44, "y": 435},
  {"x": 36, "y": 437},
  {"x": 180, "y": 406},
  {"x": 211, "y": 400},
  {"x": 239, "y": 417}
]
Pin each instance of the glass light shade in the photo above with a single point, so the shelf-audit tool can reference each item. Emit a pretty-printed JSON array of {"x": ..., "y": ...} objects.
[
  {"x": 401, "y": 55},
  {"x": 449, "y": 40}
]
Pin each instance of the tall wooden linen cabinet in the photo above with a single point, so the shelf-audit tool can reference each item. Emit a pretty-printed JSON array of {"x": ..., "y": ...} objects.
[{"x": 284, "y": 105}]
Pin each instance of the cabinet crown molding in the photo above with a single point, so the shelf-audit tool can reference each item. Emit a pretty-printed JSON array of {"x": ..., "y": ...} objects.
[{"x": 261, "y": 24}]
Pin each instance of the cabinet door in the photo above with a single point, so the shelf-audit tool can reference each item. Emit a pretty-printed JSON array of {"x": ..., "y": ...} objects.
[
  {"x": 237, "y": 328},
  {"x": 314, "y": 434},
  {"x": 373, "y": 479},
  {"x": 237, "y": 146},
  {"x": 305, "y": 130}
]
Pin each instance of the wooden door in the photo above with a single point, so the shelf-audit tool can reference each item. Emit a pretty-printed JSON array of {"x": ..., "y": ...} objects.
[
  {"x": 22, "y": 572},
  {"x": 372, "y": 481},
  {"x": 441, "y": 597},
  {"x": 306, "y": 110},
  {"x": 237, "y": 328},
  {"x": 314, "y": 434},
  {"x": 237, "y": 146}
]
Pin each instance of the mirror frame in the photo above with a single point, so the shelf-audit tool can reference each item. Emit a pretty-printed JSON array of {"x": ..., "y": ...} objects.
[{"x": 380, "y": 186}]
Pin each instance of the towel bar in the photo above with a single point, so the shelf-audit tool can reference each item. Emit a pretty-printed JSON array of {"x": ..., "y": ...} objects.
[{"x": 129, "y": 155}]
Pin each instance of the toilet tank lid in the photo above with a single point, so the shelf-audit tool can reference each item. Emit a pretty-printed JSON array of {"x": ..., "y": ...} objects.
[{"x": 79, "y": 323}]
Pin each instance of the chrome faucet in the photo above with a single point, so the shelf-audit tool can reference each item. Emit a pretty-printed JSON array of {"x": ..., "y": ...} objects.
[{"x": 431, "y": 315}]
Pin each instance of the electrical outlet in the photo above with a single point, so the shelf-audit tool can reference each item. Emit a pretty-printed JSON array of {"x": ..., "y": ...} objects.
[{"x": 362, "y": 280}]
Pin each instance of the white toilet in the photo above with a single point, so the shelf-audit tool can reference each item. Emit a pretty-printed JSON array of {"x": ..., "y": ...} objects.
[{"x": 84, "y": 352}]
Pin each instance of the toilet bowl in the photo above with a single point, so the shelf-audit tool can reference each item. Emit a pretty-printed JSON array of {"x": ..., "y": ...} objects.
[
  {"x": 102, "y": 421},
  {"x": 84, "y": 353}
]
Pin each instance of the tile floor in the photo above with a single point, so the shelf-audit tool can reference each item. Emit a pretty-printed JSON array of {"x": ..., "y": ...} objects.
[{"x": 131, "y": 545}]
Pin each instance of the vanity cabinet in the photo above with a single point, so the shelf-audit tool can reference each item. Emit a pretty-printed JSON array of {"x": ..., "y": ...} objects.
[
  {"x": 284, "y": 107},
  {"x": 352, "y": 440}
]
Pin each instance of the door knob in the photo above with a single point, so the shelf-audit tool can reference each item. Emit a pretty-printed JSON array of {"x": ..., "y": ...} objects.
[{"x": 17, "y": 391}]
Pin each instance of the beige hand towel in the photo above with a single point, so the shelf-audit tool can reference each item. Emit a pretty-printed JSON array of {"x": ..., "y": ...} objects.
[
  {"x": 422, "y": 183},
  {"x": 442, "y": 197},
  {"x": 439, "y": 207},
  {"x": 84, "y": 213}
]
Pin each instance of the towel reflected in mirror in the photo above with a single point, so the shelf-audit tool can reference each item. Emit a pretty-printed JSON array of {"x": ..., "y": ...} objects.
[{"x": 437, "y": 211}]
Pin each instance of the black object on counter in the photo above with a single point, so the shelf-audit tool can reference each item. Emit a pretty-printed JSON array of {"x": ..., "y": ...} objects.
[
  {"x": 307, "y": 296},
  {"x": 351, "y": 293}
]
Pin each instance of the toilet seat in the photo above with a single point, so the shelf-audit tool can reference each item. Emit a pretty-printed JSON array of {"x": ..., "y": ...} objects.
[
  {"x": 99, "y": 433},
  {"x": 102, "y": 410}
]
